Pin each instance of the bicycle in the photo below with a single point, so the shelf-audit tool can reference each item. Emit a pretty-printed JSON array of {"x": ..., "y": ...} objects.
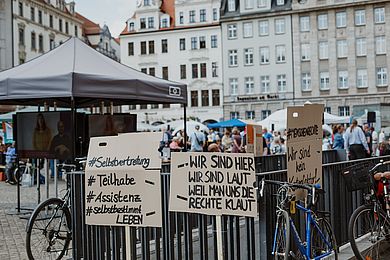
[
  {"x": 49, "y": 229},
  {"x": 320, "y": 240},
  {"x": 369, "y": 225}
]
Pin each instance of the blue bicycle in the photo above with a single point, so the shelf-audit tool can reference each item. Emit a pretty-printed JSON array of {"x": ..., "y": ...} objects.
[{"x": 319, "y": 238}]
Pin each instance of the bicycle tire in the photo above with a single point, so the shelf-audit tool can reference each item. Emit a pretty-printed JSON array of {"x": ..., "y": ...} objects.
[
  {"x": 18, "y": 174},
  {"x": 368, "y": 232},
  {"x": 42, "y": 227},
  {"x": 318, "y": 245},
  {"x": 281, "y": 247}
]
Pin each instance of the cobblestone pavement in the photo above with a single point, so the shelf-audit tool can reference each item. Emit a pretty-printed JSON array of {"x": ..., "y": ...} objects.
[{"x": 12, "y": 226}]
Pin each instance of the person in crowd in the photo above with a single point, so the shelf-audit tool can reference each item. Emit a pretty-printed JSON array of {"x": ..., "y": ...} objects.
[
  {"x": 237, "y": 141},
  {"x": 61, "y": 144},
  {"x": 384, "y": 148},
  {"x": 276, "y": 148},
  {"x": 175, "y": 144},
  {"x": 197, "y": 140},
  {"x": 368, "y": 135},
  {"x": 338, "y": 142},
  {"x": 381, "y": 137},
  {"x": 268, "y": 138},
  {"x": 3, "y": 150},
  {"x": 282, "y": 145},
  {"x": 375, "y": 137},
  {"x": 227, "y": 141},
  {"x": 325, "y": 144},
  {"x": 355, "y": 142},
  {"x": 42, "y": 134},
  {"x": 10, "y": 160},
  {"x": 212, "y": 137},
  {"x": 214, "y": 147}
]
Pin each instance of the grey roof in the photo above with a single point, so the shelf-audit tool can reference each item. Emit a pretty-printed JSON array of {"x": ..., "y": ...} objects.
[{"x": 75, "y": 70}]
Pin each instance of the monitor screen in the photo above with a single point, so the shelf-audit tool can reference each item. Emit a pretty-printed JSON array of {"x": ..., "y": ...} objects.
[{"x": 105, "y": 125}]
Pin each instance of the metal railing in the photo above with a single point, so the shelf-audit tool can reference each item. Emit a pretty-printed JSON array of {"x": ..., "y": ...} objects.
[{"x": 192, "y": 236}]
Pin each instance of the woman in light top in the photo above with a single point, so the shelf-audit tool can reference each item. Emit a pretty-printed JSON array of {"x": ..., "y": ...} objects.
[{"x": 42, "y": 134}]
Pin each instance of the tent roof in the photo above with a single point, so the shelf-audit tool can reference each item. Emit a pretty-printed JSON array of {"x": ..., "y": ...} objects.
[
  {"x": 228, "y": 123},
  {"x": 76, "y": 71}
]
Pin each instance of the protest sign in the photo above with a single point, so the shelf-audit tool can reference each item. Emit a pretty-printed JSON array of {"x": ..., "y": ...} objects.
[
  {"x": 304, "y": 144},
  {"x": 213, "y": 184},
  {"x": 254, "y": 139},
  {"x": 122, "y": 181}
]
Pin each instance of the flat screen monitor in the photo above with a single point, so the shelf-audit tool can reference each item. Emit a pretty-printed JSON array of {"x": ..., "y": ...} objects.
[{"x": 106, "y": 125}]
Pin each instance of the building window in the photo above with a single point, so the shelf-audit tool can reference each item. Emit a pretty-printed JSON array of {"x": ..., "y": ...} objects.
[
  {"x": 361, "y": 78},
  {"x": 265, "y": 114},
  {"x": 306, "y": 81},
  {"x": 164, "y": 23},
  {"x": 181, "y": 18},
  {"x": 144, "y": 70},
  {"x": 234, "y": 115},
  {"x": 233, "y": 58},
  {"x": 280, "y": 26},
  {"x": 203, "y": 70},
  {"x": 183, "y": 71},
  {"x": 263, "y": 28},
  {"x": 381, "y": 76},
  {"x": 165, "y": 73},
  {"x": 279, "y": 2},
  {"x": 33, "y": 41},
  {"x": 280, "y": 53},
  {"x": 130, "y": 47},
  {"x": 194, "y": 98},
  {"x": 304, "y": 22},
  {"x": 40, "y": 43},
  {"x": 248, "y": 30},
  {"x": 248, "y": 4},
  {"x": 146, "y": 2},
  {"x": 32, "y": 13},
  {"x": 142, "y": 23},
  {"x": 150, "y": 22},
  {"x": 232, "y": 31},
  {"x": 205, "y": 98},
  {"x": 248, "y": 56},
  {"x": 233, "y": 83},
  {"x": 192, "y": 16},
  {"x": 261, "y": 3},
  {"x": 51, "y": 21},
  {"x": 342, "y": 49},
  {"x": 380, "y": 45},
  {"x": 143, "y": 48},
  {"x": 264, "y": 84},
  {"x": 360, "y": 17},
  {"x": 143, "y": 106},
  {"x": 264, "y": 55},
  {"x": 305, "y": 52},
  {"x": 21, "y": 36},
  {"x": 151, "y": 47},
  {"x": 194, "y": 43},
  {"x": 66, "y": 27},
  {"x": 343, "y": 79},
  {"x": 202, "y": 15},
  {"x": 152, "y": 71},
  {"x": 182, "y": 44},
  {"x": 131, "y": 27},
  {"x": 20, "y": 8},
  {"x": 341, "y": 19},
  {"x": 202, "y": 42},
  {"x": 215, "y": 14},
  {"x": 154, "y": 106},
  {"x": 60, "y": 25},
  {"x": 323, "y": 49},
  {"x": 324, "y": 80},
  {"x": 215, "y": 97},
  {"x": 39, "y": 16},
  {"x": 250, "y": 115},
  {"x": 164, "y": 46},
  {"x": 195, "y": 73},
  {"x": 344, "y": 111},
  {"x": 231, "y": 5},
  {"x": 214, "y": 69},
  {"x": 328, "y": 110},
  {"x": 249, "y": 85},
  {"x": 379, "y": 14},
  {"x": 76, "y": 31},
  {"x": 322, "y": 21},
  {"x": 51, "y": 44},
  {"x": 214, "y": 43},
  {"x": 361, "y": 49},
  {"x": 282, "y": 82}
]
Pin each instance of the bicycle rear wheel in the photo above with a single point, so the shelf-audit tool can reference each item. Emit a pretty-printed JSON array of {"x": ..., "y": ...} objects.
[
  {"x": 369, "y": 233},
  {"x": 323, "y": 240},
  {"x": 48, "y": 230},
  {"x": 281, "y": 246}
]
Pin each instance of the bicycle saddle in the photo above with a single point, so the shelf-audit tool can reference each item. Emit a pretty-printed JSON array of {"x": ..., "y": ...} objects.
[{"x": 380, "y": 175}]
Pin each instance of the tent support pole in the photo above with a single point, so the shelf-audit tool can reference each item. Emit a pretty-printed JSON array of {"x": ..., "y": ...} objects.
[
  {"x": 73, "y": 118},
  {"x": 185, "y": 126}
]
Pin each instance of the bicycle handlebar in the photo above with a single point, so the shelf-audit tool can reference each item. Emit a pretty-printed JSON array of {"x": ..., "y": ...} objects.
[{"x": 372, "y": 170}]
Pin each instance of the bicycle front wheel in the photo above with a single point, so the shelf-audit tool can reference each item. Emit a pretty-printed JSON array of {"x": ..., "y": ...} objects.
[
  {"x": 281, "y": 246},
  {"x": 48, "y": 230},
  {"x": 323, "y": 241},
  {"x": 369, "y": 233}
]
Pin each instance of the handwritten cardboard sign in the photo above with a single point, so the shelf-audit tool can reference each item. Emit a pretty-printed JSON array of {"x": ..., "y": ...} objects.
[
  {"x": 254, "y": 137},
  {"x": 213, "y": 184},
  {"x": 122, "y": 181},
  {"x": 304, "y": 144}
]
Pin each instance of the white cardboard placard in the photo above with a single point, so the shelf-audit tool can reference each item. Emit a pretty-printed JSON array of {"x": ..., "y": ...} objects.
[
  {"x": 122, "y": 181},
  {"x": 213, "y": 184}
]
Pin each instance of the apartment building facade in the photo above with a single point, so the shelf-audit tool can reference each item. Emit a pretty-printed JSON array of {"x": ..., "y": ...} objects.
[
  {"x": 179, "y": 41},
  {"x": 6, "y": 35}
]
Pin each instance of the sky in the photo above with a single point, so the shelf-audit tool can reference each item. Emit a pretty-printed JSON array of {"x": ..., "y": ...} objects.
[{"x": 114, "y": 13}]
